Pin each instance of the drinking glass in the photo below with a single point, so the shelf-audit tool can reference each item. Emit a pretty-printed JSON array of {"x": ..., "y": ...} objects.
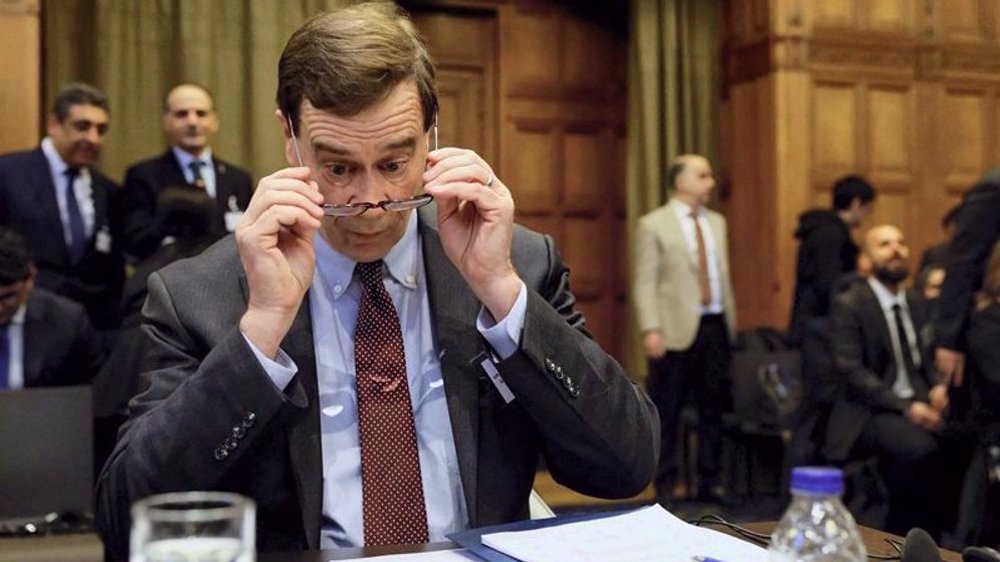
[{"x": 193, "y": 527}]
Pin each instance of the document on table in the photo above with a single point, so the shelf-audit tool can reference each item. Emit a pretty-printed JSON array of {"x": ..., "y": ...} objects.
[
  {"x": 648, "y": 534},
  {"x": 435, "y": 556}
]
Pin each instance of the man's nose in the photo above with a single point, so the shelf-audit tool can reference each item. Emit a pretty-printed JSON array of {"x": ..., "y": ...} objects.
[
  {"x": 93, "y": 136},
  {"x": 370, "y": 189}
]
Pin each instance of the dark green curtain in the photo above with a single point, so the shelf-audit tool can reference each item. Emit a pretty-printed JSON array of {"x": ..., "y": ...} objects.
[{"x": 673, "y": 101}]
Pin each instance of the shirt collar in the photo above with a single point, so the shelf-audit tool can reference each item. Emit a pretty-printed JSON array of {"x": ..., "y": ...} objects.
[
  {"x": 56, "y": 161},
  {"x": 185, "y": 158},
  {"x": 18, "y": 317},
  {"x": 886, "y": 299},
  {"x": 683, "y": 209},
  {"x": 401, "y": 261},
  {"x": 57, "y": 164}
]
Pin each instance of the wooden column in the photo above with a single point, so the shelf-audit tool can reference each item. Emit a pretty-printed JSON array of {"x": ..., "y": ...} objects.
[{"x": 20, "y": 88}]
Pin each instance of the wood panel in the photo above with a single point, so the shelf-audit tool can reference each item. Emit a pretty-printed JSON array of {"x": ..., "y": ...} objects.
[
  {"x": 904, "y": 92},
  {"x": 533, "y": 179},
  {"x": 20, "y": 88}
]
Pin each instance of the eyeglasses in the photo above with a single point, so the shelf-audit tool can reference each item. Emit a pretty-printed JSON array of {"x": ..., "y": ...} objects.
[{"x": 355, "y": 209}]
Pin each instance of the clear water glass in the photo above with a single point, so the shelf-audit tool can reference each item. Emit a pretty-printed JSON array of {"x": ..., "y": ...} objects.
[{"x": 193, "y": 527}]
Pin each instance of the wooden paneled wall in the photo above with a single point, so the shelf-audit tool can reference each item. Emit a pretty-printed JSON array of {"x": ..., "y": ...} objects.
[
  {"x": 549, "y": 116},
  {"x": 20, "y": 64},
  {"x": 904, "y": 92}
]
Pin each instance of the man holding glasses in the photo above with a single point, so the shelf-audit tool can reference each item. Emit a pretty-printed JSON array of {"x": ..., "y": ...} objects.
[{"x": 369, "y": 374}]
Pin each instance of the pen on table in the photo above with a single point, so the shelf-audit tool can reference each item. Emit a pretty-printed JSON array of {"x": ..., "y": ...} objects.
[{"x": 705, "y": 559}]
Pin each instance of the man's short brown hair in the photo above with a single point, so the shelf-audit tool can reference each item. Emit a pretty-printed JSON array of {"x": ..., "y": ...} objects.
[{"x": 348, "y": 60}]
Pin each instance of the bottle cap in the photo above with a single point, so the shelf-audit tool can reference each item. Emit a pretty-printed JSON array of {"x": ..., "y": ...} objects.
[{"x": 817, "y": 480}]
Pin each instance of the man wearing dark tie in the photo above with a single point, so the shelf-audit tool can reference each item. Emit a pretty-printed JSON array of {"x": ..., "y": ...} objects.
[
  {"x": 45, "y": 339},
  {"x": 891, "y": 401},
  {"x": 366, "y": 371},
  {"x": 66, "y": 208},
  {"x": 189, "y": 122}
]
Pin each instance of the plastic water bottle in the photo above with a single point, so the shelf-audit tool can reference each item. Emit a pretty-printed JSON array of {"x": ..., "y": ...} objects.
[{"x": 817, "y": 527}]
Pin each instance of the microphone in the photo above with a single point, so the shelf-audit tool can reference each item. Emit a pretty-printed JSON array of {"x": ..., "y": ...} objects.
[
  {"x": 980, "y": 554},
  {"x": 919, "y": 547}
]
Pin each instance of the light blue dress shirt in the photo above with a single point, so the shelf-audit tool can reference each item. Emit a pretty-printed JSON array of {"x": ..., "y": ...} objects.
[
  {"x": 15, "y": 339},
  {"x": 334, "y": 299},
  {"x": 207, "y": 170},
  {"x": 82, "y": 190},
  {"x": 683, "y": 212}
]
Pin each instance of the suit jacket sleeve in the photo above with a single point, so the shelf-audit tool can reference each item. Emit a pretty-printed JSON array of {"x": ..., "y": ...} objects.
[
  {"x": 647, "y": 263},
  {"x": 141, "y": 231},
  {"x": 977, "y": 229},
  {"x": 864, "y": 386},
  {"x": 601, "y": 439},
  {"x": 190, "y": 407}
]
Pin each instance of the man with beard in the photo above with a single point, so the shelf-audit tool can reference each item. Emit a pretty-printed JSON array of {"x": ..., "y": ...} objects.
[
  {"x": 55, "y": 198},
  {"x": 891, "y": 402},
  {"x": 189, "y": 122}
]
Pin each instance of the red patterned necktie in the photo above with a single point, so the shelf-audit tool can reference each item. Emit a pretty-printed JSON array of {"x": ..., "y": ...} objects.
[
  {"x": 393, "y": 493},
  {"x": 703, "y": 282}
]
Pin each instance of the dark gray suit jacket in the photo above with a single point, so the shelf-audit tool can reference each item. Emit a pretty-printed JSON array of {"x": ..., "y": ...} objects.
[
  {"x": 60, "y": 345},
  {"x": 597, "y": 430},
  {"x": 864, "y": 359}
]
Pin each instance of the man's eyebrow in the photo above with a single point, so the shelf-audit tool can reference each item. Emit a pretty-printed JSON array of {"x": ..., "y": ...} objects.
[
  {"x": 409, "y": 142},
  {"x": 324, "y": 147}
]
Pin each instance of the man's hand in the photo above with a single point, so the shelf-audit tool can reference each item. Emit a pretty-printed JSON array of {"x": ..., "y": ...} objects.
[
  {"x": 275, "y": 242},
  {"x": 652, "y": 344},
  {"x": 939, "y": 397},
  {"x": 950, "y": 365},
  {"x": 923, "y": 415},
  {"x": 476, "y": 222}
]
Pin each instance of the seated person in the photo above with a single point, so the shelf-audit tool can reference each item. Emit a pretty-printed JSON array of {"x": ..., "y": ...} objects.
[
  {"x": 886, "y": 407},
  {"x": 45, "y": 339},
  {"x": 468, "y": 363}
]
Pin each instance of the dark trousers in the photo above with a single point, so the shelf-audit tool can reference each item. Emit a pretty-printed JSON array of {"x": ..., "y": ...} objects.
[
  {"x": 908, "y": 462},
  {"x": 702, "y": 369}
]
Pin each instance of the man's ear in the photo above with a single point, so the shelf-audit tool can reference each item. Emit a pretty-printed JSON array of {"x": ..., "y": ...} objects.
[
  {"x": 51, "y": 123},
  {"x": 287, "y": 133}
]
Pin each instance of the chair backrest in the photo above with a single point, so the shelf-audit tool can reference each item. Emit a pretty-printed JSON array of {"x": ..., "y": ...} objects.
[{"x": 46, "y": 451}]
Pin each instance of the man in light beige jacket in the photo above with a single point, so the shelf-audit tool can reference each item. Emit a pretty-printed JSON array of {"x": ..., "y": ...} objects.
[{"x": 684, "y": 301}]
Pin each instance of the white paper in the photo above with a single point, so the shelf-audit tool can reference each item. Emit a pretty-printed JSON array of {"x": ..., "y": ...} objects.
[
  {"x": 649, "y": 534},
  {"x": 436, "y": 556}
]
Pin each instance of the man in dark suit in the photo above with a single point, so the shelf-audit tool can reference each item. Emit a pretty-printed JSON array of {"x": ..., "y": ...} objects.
[
  {"x": 891, "y": 402},
  {"x": 468, "y": 361},
  {"x": 45, "y": 339},
  {"x": 57, "y": 199},
  {"x": 977, "y": 230},
  {"x": 190, "y": 122},
  {"x": 827, "y": 253}
]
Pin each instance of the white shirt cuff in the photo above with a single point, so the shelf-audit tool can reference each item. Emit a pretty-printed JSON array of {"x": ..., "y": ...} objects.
[
  {"x": 281, "y": 369},
  {"x": 504, "y": 336}
]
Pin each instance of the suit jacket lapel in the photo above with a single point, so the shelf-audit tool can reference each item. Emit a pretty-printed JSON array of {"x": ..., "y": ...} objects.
[
  {"x": 41, "y": 175},
  {"x": 674, "y": 230},
  {"x": 305, "y": 445},
  {"x": 876, "y": 317},
  {"x": 453, "y": 311},
  {"x": 31, "y": 337}
]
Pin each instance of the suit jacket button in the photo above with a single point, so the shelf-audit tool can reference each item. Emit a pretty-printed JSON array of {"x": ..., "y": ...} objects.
[
  {"x": 230, "y": 443},
  {"x": 249, "y": 419},
  {"x": 221, "y": 453},
  {"x": 549, "y": 365},
  {"x": 239, "y": 431}
]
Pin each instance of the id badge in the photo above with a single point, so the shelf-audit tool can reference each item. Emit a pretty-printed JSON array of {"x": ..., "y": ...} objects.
[{"x": 102, "y": 241}]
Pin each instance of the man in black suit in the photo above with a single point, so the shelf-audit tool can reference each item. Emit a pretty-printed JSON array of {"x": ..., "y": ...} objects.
[
  {"x": 66, "y": 209},
  {"x": 190, "y": 122},
  {"x": 366, "y": 373},
  {"x": 45, "y": 339},
  {"x": 977, "y": 230},
  {"x": 827, "y": 253},
  {"x": 891, "y": 401}
]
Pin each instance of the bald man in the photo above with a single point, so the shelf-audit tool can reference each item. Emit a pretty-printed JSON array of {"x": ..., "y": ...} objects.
[
  {"x": 892, "y": 402},
  {"x": 190, "y": 123},
  {"x": 684, "y": 303}
]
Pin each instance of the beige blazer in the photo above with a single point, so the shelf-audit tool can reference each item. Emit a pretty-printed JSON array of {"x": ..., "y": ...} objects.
[{"x": 666, "y": 293}]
